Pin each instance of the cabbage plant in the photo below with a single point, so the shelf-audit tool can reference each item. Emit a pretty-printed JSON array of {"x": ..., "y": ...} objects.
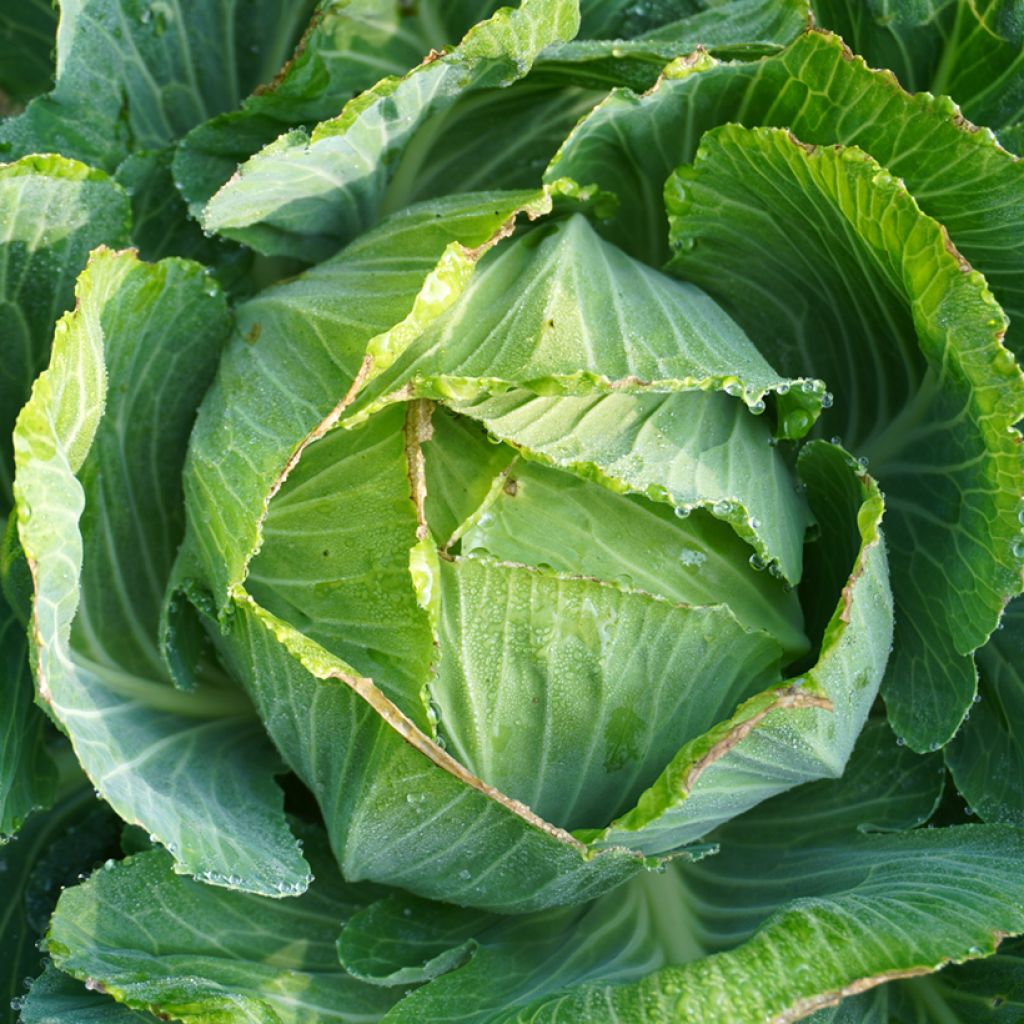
[{"x": 512, "y": 514}]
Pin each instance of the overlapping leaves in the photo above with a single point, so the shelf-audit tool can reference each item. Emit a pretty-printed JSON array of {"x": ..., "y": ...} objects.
[{"x": 513, "y": 541}]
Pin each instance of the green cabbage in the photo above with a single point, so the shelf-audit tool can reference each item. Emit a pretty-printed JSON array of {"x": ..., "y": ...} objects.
[{"x": 526, "y": 528}]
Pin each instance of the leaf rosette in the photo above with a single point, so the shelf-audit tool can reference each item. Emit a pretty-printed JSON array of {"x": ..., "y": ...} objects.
[{"x": 523, "y": 527}]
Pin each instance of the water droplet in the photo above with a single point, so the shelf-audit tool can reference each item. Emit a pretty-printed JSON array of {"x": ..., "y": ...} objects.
[
  {"x": 753, "y": 522},
  {"x": 758, "y": 407},
  {"x": 797, "y": 423},
  {"x": 782, "y": 389},
  {"x": 977, "y": 698},
  {"x": 827, "y": 400},
  {"x": 1004, "y": 361},
  {"x": 900, "y": 741},
  {"x": 681, "y": 512},
  {"x": 676, "y": 194},
  {"x": 757, "y": 563},
  {"x": 721, "y": 508}
]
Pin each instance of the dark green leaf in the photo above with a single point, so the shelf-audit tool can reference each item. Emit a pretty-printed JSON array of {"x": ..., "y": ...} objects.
[
  {"x": 987, "y": 756},
  {"x": 865, "y": 291}
]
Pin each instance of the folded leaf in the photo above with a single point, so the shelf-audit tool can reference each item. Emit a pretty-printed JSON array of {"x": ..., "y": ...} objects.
[
  {"x": 98, "y": 450},
  {"x": 571, "y": 694},
  {"x": 305, "y": 195},
  {"x": 823, "y": 93},
  {"x": 298, "y": 347},
  {"x": 804, "y": 730},
  {"x": 858, "y": 278},
  {"x": 52, "y": 213}
]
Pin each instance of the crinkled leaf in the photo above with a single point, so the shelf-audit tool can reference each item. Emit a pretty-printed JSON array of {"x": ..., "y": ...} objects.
[
  {"x": 52, "y": 213},
  {"x": 545, "y": 517},
  {"x": 824, "y": 94},
  {"x": 305, "y": 195},
  {"x": 987, "y": 755},
  {"x": 687, "y": 450},
  {"x": 99, "y": 449},
  {"x": 297, "y": 349},
  {"x": 560, "y": 312},
  {"x": 972, "y": 50},
  {"x": 805, "y": 730},
  {"x": 859, "y": 277},
  {"x": 133, "y": 77},
  {"x": 169, "y": 945}
]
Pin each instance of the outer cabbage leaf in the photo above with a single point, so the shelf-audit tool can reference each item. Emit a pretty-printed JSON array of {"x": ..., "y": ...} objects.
[
  {"x": 970, "y": 50},
  {"x": 98, "y": 450},
  {"x": 52, "y": 213},
  {"x": 27, "y": 772},
  {"x": 238, "y": 956},
  {"x": 133, "y": 77},
  {"x": 305, "y": 195},
  {"x": 856, "y": 269},
  {"x": 793, "y": 885},
  {"x": 51, "y": 850},
  {"x": 348, "y": 46},
  {"x": 986, "y": 756},
  {"x": 26, "y": 49},
  {"x": 56, "y": 998},
  {"x": 824, "y": 94},
  {"x": 989, "y": 991},
  {"x": 626, "y": 19}
]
